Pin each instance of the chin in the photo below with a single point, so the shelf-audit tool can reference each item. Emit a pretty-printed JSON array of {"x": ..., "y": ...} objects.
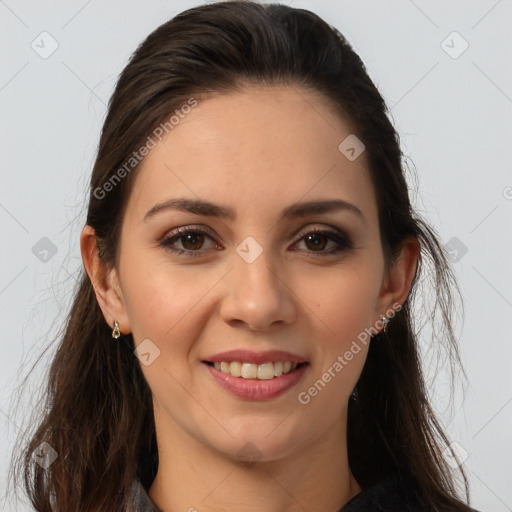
[{"x": 258, "y": 447}]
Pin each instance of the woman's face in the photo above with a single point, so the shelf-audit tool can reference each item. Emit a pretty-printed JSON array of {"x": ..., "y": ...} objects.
[{"x": 257, "y": 279}]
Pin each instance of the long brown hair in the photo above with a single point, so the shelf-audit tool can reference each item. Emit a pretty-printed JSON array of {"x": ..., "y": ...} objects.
[{"x": 98, "y": 413}]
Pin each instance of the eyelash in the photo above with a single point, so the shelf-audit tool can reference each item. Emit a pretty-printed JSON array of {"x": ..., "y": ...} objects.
[{"x": 343, "y": 241}]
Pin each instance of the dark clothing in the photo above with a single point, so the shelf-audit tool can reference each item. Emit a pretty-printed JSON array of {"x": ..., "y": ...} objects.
[{"x": 388, "y": 495}]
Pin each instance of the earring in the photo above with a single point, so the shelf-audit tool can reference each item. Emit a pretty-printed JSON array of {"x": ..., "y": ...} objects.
[
  {"x": 385, "y": 321},
  {"x": 115, "y": 331}
]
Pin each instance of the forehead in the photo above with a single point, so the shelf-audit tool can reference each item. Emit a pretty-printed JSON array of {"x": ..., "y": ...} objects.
[{"x": 259, "y": 147}]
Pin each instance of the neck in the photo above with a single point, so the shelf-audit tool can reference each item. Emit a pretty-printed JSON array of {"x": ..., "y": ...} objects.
[{"x": 197, "y": 478}]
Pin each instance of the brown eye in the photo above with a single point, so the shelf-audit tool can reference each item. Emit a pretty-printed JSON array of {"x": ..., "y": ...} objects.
[
  {"x": 192, "y": 241},
  {"x": 316, "y": 241}
]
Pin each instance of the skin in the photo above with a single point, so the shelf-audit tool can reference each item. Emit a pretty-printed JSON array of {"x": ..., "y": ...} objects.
[{"x": 256, "y": 151}]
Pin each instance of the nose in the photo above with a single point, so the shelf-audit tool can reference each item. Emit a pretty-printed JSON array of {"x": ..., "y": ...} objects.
[{"x": 257, "y": 294}]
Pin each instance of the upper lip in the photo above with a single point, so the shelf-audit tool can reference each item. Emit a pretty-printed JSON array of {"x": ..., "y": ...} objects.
[{"x": 249, "y": 356}]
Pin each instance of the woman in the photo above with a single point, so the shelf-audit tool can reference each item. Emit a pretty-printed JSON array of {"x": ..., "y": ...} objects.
[{"x": 243, "y": 334}]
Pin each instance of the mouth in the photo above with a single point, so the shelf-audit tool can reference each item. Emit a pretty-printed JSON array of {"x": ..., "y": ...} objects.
[
  {"x": 256, "y": 382},
  {"x": 252, "y": 371}
]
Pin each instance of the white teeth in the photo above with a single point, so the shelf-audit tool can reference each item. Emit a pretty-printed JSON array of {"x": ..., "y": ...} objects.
[
  {"x": 249, "y": 370},
  {"x": 235, "y": 368},
  {"x": 265, "y": 371}
]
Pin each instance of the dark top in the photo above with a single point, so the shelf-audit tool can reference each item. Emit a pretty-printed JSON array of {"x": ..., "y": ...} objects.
[{"x": 388, "y": 495}]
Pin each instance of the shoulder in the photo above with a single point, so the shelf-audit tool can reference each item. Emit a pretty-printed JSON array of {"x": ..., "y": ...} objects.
[
  {"x": 139, "y": 501},
  {"x": 391, "y": 494}
]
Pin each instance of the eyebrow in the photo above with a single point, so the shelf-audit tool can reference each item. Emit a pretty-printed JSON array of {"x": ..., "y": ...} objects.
[{"x": 207, "y": 208}]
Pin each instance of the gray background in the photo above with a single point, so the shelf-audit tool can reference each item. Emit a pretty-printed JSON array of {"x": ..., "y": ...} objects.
[{"x": 452, "y": 109}]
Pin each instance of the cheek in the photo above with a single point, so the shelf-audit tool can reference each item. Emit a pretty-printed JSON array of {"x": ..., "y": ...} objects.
[
  {"x": 343, "y": 308},
  {"x": 165, "y": 307},
  {"x": 348, "y": 308},
  {"x": 343, "y": 302},
  {"x": 160, "y": 300},
  {"x": 343, "y": 299}
]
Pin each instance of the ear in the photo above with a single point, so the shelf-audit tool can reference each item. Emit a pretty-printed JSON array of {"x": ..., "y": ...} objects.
[
  {"x": 397, "y": 281},
  {"x": 105, "y": 282}
]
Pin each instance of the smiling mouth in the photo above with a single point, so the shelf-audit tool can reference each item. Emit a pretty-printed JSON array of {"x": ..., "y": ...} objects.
[{"x": 265, "y": 371}]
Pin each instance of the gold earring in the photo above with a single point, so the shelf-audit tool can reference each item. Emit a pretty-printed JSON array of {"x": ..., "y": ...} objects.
[
  {"x": 384, "y": 319},
  {"x": 115, "y": 331}
]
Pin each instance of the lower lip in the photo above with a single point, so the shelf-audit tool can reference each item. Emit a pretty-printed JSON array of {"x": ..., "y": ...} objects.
[{"x": 255, "y": 389}]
